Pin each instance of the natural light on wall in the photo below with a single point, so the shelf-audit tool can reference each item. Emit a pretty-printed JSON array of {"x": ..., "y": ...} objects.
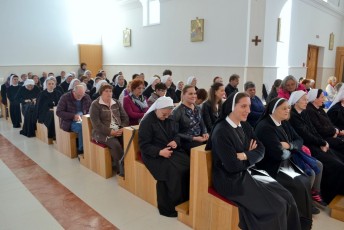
[
  {"x": 150, "y": 12},
  {"x": 282, "y": 57},
  {"x": 87, "y": 19}
]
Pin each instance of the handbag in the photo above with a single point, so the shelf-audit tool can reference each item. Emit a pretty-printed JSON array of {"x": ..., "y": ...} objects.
[{"x": 121, "y": 161}]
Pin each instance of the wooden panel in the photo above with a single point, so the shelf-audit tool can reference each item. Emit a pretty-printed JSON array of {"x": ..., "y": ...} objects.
[
  {"x": 42, "y": 134},
  {"x": 339, "y": 68},
  {"x": 312, "y": 62},
  {"x": 92, "y": 55},
  {"x": 337, "y": 208}
]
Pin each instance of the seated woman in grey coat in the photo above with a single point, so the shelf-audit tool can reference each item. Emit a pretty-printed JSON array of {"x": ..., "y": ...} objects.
[{"x": 108, "y": 119}]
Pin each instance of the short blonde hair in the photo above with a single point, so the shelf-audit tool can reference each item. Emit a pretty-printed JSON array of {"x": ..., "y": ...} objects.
[{"x": 331, "y": 79}]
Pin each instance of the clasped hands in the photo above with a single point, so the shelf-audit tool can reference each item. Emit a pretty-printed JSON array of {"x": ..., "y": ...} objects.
[
  {"x": 202, "y": 138},
  {"x": 167, "y": 152},
  {"x": 116, "y": 133}
]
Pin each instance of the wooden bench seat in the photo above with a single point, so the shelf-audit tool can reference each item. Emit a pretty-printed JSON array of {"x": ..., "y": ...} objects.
[
  {"x": 42, "y": 133},
  {"x": 137, "y": 179},
  {"x": 65, "y": 141},
  {"x": 96, "y": 156},
  {"x": 207, "y": 209},
  {"x": 337, "y": 207}
]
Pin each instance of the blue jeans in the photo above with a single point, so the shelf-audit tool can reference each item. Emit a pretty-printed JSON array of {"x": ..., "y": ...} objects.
[{"x": 77, "y": 128}]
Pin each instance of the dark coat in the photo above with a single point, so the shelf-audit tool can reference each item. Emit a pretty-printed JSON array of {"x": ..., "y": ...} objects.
[
  {"x": 64, "y": 85},
  {"x": 208, "y": 115},
  {"x": 230, "y": 89},
  {"x": 45, "y": 102},
  {"x": 66, "y": 109},
  {"x": 336, "y": 115},
  {"x": 257, "y": 109}
]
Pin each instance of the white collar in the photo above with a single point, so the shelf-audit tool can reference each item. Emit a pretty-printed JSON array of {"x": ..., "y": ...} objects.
[
  {"x": 276, "y": 122},
  {"x": 112, "y": 102},
  {"x": 231, "y": 123}
]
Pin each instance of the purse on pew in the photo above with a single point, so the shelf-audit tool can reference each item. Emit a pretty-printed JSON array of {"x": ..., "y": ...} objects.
[{"x": 121, "y": 161}]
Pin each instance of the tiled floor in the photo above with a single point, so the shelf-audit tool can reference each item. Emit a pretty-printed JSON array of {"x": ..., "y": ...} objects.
[{"x": 72, "y": 196}]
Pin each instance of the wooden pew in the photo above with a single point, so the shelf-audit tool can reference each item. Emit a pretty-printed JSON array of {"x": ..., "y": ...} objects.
[
  {"x": 337, "y": 207},
  {"x": 8, "y": 109},
  {"x": 206, "y": 209},
  {"x": 96, "y": 156},
  {"x": 42, "y": 133},
  {"x": 3, "y": 109},
  {"x": 137, "y": 179},
  {"x": 65, "y": 141}
]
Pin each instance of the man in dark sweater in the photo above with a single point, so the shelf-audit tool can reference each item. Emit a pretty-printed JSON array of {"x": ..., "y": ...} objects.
[{"x": 232, "y": 85}]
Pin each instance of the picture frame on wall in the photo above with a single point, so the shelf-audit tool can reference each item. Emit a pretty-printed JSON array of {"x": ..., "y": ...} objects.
[
  {"x": 331, "y": 41},
  {"x": 127, "y": 37},
  {"x": 197, "y": 30}
]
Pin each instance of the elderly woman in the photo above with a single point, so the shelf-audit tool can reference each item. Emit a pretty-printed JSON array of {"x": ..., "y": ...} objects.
[
  {"x": 167, "y": 80},
  {"x": 211, "y": 109},
  {"x": 99, "y": 84},
  {"x": 336, "y": 111},
  {"x": 322, "y": 123},
  {"x": 135, "y": 104},
  {"x": 27, "y": 96},
  {"x": 108, "y": 119},
  {"x": 119, "y": 86},
  {"x": 151, "y": 86},
  {"x": 192, "y": 80},
  {"x": 14, "y": 106},
  {"x": 281, "y": 141},
  {"x": 163, "y": 156},
  {"x": 179, "y": 89},
  {"x": 332, "y": 182},
  {"x": 46, "y": 100},
  {"x": 191, "y": 128},
  {"x": 289, "y": 84},
  {"x": 330, "y": 88},
  {"x": 263, "y": 203}
]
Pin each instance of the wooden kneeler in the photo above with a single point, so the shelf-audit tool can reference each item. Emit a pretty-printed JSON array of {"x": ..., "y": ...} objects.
[
  {"x": 42, "y": 134},
  {"x": 137, "y": 179},
  {"x": 65, "y": 141},
  {"x": 96, "y": 156},
  {"x": 337, "y": 207},
  {"x": 206, "y": 209}
]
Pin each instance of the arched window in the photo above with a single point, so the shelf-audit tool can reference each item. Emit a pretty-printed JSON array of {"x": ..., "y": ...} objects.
[{"x": 151, "y": 12}]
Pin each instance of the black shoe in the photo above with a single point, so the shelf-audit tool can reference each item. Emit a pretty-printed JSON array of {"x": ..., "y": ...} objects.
[{"x": 315, "y": 210}]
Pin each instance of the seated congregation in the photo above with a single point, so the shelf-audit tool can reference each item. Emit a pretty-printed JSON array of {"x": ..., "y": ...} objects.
[{"x": 274, "y": 164}]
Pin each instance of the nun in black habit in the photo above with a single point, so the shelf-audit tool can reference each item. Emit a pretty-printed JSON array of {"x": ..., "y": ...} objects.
[
  {"x": 14, "y": 104},
  {"x": 280, "y": 141},
  {"x": 163, "y": 156},
  {"x": 27, "y": 96},
  {"x": 47, "y": 99},
  {"x": 263, "y": 203}
]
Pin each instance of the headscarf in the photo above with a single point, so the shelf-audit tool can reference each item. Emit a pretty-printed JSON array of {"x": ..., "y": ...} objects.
[
  {"x": 8, "y": 81},
  {"x": 295, "y": 96},
  {"x": 161, "y": 103},
  {"x": 116, "y": 81},
  {"x": 165, "y": 78},
  {"x": 177, "y": 85},
  {"x": 189, "y": 80},
  {"x": 151, "y": 80},
  {"x": 12, "y": 76},
  {"x": 99, "y": 83},
  {"x": 71, "y": 84},
  {"x": 339, "y": 96},
  {"x": 312, "y": 95},
  {"x": 48, "y": 79},
  {"x": 271, "y": 107},
  {"x": 29, "y": 82}
]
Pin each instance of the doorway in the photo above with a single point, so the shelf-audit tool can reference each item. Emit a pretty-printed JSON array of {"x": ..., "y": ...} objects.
[
  {"x": 312, "y": 62},
  {"x": 92, "y": 55},
  {"x": 339, "y": 71}
]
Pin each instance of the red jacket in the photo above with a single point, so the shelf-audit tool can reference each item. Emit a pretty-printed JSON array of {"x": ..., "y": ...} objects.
[
  {"x": 133, "y": 111},
  {"x": 286, "y": 94}
]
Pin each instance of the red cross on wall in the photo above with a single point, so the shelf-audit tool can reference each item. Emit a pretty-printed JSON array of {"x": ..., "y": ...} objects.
[{"x": 256, "y": 40}]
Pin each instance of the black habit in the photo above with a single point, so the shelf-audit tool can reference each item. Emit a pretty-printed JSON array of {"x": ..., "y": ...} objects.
[
  {"x": 332, "y": 182},
  {"x": 14, "y": 105},
  {"x": 278, "y": 164},
  {"x": 263, "y": 203},
  {"x": 44, "y": 107},
  {"x": 336, "y": 115},
  {"x": 172, "y": 174}
]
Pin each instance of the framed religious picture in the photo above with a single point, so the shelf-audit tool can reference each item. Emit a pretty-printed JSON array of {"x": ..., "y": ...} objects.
[
  {"x": 331, "y": 41},
  {"x": 197, "y": 30},
  {"x": 127, "y": 37}
]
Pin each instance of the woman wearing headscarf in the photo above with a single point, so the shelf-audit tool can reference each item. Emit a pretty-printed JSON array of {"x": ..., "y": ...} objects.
[
  {"x": 47, "y": 99},
  {"x": 14, "y": 106},
  {"x": 263, "y": 203},
  {"x": 336, "y": 110},
  {"x": 179, "y": 89},
  {"x": 211, "y": 109},
  {"x": 281, "y": 141},
  {"x": 73, "y": 83},
  {"x": 191, "y": 128},
  {"x": 332, "y": 182},
  {"x": 99, "y": 84},
  {"x": 151, "y": 86},
  {"x": 119, "y": 86},
  {"x": 170, "y": 92},
  {"x": 135, "y": 104},
  {"x": 108, "y": 119},
  {"x": 289, "y": 84},
  {"x": 163, "y": 156},
  {"x": 322, "y": 123},
  {"x": 27, "y": 96},
  {"x": 192, "y": 80}
]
